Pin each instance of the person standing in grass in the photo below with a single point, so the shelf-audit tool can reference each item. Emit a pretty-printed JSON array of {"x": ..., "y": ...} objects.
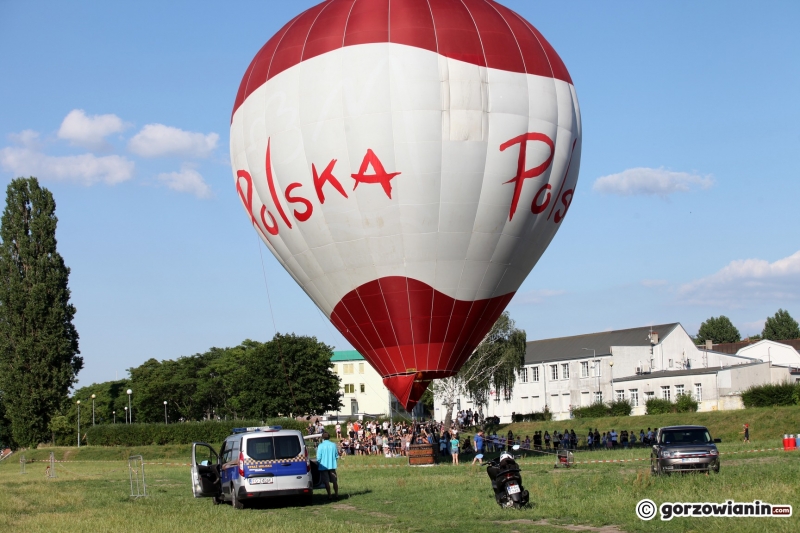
[
  {"x": 327, "y": 455},
  {"x": 454, "y": 449},
  {"x": 746, "y": 433}
]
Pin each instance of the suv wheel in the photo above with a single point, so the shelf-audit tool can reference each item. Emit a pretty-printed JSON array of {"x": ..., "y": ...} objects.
[{"x": 235, "y": 501}]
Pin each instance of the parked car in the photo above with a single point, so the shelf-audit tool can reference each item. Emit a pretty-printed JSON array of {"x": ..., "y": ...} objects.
[
  {"x": 263, "y": 462},
  {"x": 684, "y": 449}
]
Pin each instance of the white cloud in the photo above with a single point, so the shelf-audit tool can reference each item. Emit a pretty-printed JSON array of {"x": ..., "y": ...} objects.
[
  {"x": 746, "y": 280},
  {"x": 650, "y": 181},
  {"x": 89, "y": 131},
  {"x": 26, "y": 138},
  {"x": 535, "y": 296},
  {"x": 86, "y": 169},
  {"x": 187, "y": 180},
  {"x": 158, "y": 140}
]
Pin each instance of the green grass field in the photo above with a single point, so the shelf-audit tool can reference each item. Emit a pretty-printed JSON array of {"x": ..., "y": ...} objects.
[{"x": 91, "y": 493}]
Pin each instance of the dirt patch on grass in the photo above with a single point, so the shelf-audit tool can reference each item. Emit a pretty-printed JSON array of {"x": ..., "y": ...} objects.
[
  {"x": 344, "y": 507},
  {"x": 566, "y": 527}
]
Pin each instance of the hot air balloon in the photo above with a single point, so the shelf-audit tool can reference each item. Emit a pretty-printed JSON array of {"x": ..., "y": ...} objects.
[{"x": 407, "y": 162}]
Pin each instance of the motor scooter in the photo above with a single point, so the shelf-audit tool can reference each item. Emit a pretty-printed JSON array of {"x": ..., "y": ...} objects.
[{"x": 507, "y": 481}]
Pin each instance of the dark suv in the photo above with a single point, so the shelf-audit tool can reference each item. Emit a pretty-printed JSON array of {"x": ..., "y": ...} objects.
[{"x": 684, "y": 449}]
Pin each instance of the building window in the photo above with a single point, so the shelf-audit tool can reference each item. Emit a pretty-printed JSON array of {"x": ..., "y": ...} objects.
[
  {"x": 620, "y": 395},
  {"x": 347, "y": 368},
  {"x": 554, "y": 372},
  {"x": 596, "y": 368},
  {"x": 362, "y": 388},
  {"x": 361, "y": 369},
  {"x": 335, "y": 369},
  {"x": 633, "y": 396},
  {"x": 598, "y": 397},
  {"x": 698, "y": 392},
  {"x": 565, "y": 371},
  {"x": 665, "y": 394},
  {"x": 679, "y": 390},
  {"x": 535, "y": 372},
  {"x": 523, "y": 375},
  {"x": 670, "y": 363},
  {"x": 585, "y": 369},
  {"x": 349, "y": 388},
  {"x": 649, "y": 396}
]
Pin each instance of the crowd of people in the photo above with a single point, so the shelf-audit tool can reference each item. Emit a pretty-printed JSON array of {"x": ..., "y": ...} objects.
[{"x": 394, "y": 439}]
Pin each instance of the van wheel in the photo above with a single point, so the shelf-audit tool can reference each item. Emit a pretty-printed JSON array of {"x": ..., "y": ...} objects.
[{"x": 235, "y": 501}]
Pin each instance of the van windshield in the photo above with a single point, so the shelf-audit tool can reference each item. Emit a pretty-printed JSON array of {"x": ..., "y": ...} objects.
[{"x": 273, "y": 448}]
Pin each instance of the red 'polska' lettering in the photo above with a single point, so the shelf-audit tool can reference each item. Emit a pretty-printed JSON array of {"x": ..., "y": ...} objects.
[
  {"x": 379, "y": 174},
  {"x": 247, "y": 196},
  {"x": 326, "y": 176},
  {"x": 566, "y": 199},
  {"x": 273, "y": 193},
  {"x": 522, "y": 173},
  {"x": 536, "y": 207},
  {"x": 305, "y": 215}
]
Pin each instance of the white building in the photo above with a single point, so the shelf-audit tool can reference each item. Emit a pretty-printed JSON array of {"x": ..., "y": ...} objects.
[
  {"x": 577, "y": 371},
  {"x": 362, "y": 388}
]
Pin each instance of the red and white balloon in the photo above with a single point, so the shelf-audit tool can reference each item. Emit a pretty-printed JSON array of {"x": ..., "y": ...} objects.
[{"x": 407, "y": 162}]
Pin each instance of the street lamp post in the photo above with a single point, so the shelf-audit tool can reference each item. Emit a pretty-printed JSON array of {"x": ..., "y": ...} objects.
[
  {"x": 93, "y": 397},
  {"x": 79, "y": 423},
  {"x": 130, "y": 410},
  {"x": 114, "y": 413},
  {"x": 165, "y": 411},
  {"x": 611, "y": 364},
  {"x": 126, "y": 415}
]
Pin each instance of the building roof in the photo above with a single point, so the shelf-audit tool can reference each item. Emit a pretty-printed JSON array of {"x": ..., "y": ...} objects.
[
  {"x": 565, "y": 348},
  {"x": 734, "y": 347},
  {"x": 346, "y": 355},
  {"x": 686, "y": 372}
]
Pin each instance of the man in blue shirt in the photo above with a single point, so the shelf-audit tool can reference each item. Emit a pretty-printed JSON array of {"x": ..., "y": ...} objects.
[
  {"x": 478, "y": 448},
  {"x": 327, "y": 455}
]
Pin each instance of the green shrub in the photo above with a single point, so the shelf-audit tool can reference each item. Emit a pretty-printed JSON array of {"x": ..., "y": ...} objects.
[
  {"x": 600, "y": 409},
  {"x": 657, "y": 406},
  {"x": 685, "y": 404},
  {"x": 620, "y": 408},
  {"x": 212, "y": 432},
  {"x": 534, "y": 416},
  {"x": 771, "y": 395},
  {"x": 596, "y": 410}
]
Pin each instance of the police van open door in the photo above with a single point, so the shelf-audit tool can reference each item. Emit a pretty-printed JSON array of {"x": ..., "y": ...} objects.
[{"x": 205, "y": 471}]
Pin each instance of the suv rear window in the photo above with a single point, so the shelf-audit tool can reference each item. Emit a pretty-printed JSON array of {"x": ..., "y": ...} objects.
[
  {"x": 273, "y": 448},
  {"x": 686, "y": 436}
]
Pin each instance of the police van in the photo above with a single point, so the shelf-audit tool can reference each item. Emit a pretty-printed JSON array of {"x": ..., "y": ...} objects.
[{"x": 254, "y": 462}]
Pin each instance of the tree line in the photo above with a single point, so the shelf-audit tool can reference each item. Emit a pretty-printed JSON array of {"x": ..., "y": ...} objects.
[
  {"x": 720, "y": 330},
  {"x": 286, "y": 376}
]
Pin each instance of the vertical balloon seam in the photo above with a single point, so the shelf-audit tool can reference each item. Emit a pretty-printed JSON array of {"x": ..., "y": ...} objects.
[
  {"x": 374, "y": 350},
  {"x": 347, "y": 22},
  {"x": 464, "y": 265},
  {"x": 441, "y": 159},
  {"x": 311, "y": 27}
]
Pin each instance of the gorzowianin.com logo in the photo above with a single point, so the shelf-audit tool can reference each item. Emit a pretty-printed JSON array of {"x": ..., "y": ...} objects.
[{"x": 647, "y": 509}]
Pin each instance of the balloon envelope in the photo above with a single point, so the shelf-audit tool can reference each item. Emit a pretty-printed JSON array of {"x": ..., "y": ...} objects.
[{"x": 407, "y": 162}]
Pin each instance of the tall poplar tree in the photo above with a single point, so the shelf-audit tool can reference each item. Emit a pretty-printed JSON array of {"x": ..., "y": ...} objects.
[{"x": 39, "y": 358}]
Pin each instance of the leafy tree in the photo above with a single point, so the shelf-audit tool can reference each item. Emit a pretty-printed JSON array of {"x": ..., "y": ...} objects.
[
  {"x": 754, "y": 338},
  {"x": 289, "y": 375},
  {"x": 781, "y": 327},
  {"x": 493, "y": 366},
  {"x": 5, "y": 428},
  {"x": 718, "y": 330},
  {"x": 39, "y": 358}
]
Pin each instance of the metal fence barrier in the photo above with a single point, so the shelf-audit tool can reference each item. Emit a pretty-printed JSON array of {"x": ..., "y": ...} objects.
[{"x": 136, "y": 476}]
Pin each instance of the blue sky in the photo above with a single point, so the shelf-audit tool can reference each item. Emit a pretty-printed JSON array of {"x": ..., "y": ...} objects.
[{"x": 686, "y": 205}]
